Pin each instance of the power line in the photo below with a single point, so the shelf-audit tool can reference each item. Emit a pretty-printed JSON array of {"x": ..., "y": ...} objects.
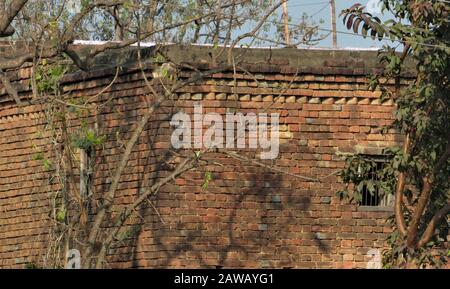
[
  {"x": 320, "y": 10},
  {"x": 384, "y": 38},
  {"x": 308, "y": 4},
  {"x": 359, "y": 35},
  {"x": 323, "y": 2},
  {"x": 355, "y": 34}
]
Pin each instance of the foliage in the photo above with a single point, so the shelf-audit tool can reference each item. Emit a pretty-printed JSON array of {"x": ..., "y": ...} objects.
[
  {"x": 47, "y": 164},
  {"x": 61, "y": 215},
  {"x": 207, "y": 179},
  {"x": 48, "y": 76},
  {"x": 39, "y": 156},
  {"x": 127, "y": 234},
  {"x": 31, "y": 266},
  {"x": 422, "y": 114},
  {"x": 87, "y": 139},
  {"x": 363, "y": 173}
]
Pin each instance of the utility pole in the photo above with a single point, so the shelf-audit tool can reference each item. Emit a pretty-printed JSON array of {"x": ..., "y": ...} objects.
[
  {"x": 286, "y": 23},
  {"x": 333, "y": 22}
]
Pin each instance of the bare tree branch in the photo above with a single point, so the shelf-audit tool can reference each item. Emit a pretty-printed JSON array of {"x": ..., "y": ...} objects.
[
  {"x": 428, "y": 181},
  {"x": 9, "y": 88},
  {"x": 184, "y": 166},
  {"x": 8, "y": 15},
  {"x": 399, "y": 217},
  {"x": 18, "y": 61},
  {"x": 109, "y": 197},
  {"x": 434, "y": 223},
  {"x": 254, "y": 30}
]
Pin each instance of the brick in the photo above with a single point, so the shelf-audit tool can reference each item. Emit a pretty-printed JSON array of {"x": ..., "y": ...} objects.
[{"x": 268, "y": 219}]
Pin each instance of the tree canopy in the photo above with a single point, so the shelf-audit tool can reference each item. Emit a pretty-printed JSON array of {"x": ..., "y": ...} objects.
[{"x": 417, "y": 173}]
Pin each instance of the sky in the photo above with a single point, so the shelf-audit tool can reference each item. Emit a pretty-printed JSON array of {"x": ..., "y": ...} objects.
[{"x": 320, "y": 9}]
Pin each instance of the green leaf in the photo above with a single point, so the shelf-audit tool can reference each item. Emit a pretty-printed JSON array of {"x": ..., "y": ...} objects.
[
  {"x": 61, "y": 215},
  {"x": 47, "y": 164},
  {"x": 207, "y": 179},
  {"x": 433, "y": 155}
]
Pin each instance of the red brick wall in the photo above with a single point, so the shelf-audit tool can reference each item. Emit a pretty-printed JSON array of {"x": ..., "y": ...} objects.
[{"x": 249, "y": 216}]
